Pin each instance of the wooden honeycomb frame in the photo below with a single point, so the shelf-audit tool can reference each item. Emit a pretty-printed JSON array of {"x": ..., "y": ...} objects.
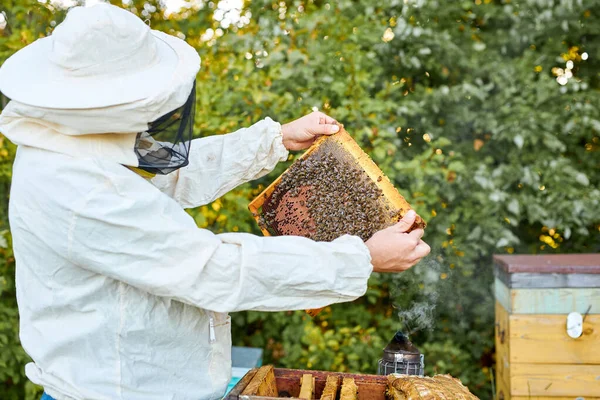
[{"x": 344, "y": 139}]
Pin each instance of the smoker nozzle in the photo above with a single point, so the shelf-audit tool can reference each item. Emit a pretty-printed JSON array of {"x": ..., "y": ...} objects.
[{"x": 401, "y": 349}]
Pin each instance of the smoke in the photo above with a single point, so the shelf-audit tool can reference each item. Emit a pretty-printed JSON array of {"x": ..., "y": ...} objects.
[
  {"x": 419, "y": 316},
  {"x": 427, "y": 286}
]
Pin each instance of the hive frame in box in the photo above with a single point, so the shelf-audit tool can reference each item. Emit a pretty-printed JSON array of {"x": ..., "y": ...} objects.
[
  {"x": 371, "y": 387},
  {"x": 390, "y": 193}
]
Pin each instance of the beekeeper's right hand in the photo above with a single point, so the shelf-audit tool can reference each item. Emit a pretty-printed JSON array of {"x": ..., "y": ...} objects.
[{"x": 394, "y": 250}]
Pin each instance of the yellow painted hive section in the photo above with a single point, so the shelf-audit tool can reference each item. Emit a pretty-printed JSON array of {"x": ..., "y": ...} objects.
[{"x": 536, "y": 358}]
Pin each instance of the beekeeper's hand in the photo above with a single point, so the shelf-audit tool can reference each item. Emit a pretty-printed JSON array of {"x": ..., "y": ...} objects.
[
  {"x": 301, "y": 133},
  {"x": 394, "y": 250}
]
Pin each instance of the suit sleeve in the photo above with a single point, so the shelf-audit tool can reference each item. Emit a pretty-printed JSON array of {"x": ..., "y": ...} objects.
[{"x": 127, "y": 230}]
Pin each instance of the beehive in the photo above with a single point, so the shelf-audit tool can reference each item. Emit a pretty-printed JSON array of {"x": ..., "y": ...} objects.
[
  {"x": 291, "y": 384},
  {"x": 536, "y": 358}
]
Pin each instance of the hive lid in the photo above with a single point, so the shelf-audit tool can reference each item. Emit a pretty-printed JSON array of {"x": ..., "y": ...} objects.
[
  {"x": 548, "y": 271},
  {"x": 549, "y": 263}
]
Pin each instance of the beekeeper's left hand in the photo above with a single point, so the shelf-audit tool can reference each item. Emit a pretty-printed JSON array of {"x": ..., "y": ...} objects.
[{"x": 301, "y": 133}]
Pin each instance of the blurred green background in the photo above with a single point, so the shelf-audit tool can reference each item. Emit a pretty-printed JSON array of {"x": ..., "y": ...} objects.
[{"x": 484, "y": 113}]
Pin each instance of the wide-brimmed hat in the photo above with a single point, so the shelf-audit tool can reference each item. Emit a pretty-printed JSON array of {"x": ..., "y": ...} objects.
[{"x": 98, "y": 56}]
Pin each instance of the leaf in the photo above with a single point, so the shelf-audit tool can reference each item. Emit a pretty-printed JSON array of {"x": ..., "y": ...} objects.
[
  {"x": 296, "y": 56},
  {"x": 507, "y": 238},
  {"x": 582, "y": 179},
  {"x": 475, "y": 234},
  {"x": 457, "y": 166},
  {"x": 502, "y": 242},
  {"x": 513, "y": 206},
  {"x": 479, "y": 46},
  {"x": 518, "y": 139},
  {"x": 553, "y": 143}
]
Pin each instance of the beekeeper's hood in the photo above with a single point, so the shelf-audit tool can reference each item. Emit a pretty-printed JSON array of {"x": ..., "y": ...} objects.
[{"x": 103, "y": 85}]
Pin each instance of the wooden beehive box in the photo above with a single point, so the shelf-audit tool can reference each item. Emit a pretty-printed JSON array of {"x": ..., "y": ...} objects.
[
  {"x": 535, "y": 357},
  {"x": 268, "y": 383},
  {"x": 370, "y": 387}
]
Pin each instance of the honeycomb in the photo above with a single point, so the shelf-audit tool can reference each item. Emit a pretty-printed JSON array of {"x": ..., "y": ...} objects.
[{"x": 332, "y": 190}]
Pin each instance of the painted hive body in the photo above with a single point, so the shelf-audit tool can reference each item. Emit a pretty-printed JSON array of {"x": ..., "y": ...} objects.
[{"x": 536, "y": 357}]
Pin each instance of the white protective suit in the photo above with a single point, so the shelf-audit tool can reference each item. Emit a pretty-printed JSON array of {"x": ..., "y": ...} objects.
[{"x": 121, "y": 295}]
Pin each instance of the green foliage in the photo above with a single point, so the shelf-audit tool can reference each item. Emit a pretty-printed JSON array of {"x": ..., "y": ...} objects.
[
  {"x": 26, "y": 21},
  {"x": 458, "y": 102}
]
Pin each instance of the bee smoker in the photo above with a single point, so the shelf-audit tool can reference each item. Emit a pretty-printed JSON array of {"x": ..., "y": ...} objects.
[{"x": 402, "y": 357}]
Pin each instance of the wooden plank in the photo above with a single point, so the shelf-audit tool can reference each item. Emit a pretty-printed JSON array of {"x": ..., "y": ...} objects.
[
  {"x": 331, "y": 388},
  {"x": 555, "y": 380},
  {"x": 544, "y": 339},
  {"x": 263, "y": 383},
  {"x": 241, "y": 385},
  {"x": 503, "y": 393},
  {"x": 502, "y": 349},
  {"x": 550, "y": 263},
  {"x": 307, "y": 387},
  {"x": 502, "y": 390}
]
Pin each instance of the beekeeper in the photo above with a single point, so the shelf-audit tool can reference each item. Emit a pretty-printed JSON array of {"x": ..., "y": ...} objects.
[{"x": 121, "y": 295}]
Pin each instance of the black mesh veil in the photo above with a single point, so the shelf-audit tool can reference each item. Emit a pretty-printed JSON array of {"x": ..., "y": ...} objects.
[{"x": 165, "y": 146}]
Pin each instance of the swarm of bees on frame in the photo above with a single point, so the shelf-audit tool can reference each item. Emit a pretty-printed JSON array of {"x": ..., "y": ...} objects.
[{"x": 324, "y": 197}]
